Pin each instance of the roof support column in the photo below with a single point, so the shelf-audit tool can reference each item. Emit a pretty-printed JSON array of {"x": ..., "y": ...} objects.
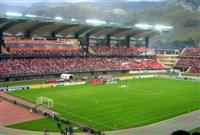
[
  {"x": 1, "y": 42},
  {"x": 108, "y": 38},
  {"x": 109, "y": 35},
  {"x": 81, "y": 31},
  {"x": 128, "y": 41},
  {"x": 137, "y": 43},
  {"x": 147, "y": 41},
  {"x": 86, "y": 44}
]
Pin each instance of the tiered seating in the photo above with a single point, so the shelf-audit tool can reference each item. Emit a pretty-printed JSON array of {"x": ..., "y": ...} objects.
[
  {"x": 36, "y": 65},
  {"x": 3, "y": 71},
  {"x": 19, "y": 67},
  {"x": 141, "y": 64},
  {"x": 122, "y": 51},
  {"x": 187, "y": 62},
  {"x": 190, "y": 58},
  {"x": 44, "y": 52},
  {"x": 191, "y": 52},
  {"x": 194, "y": 70}
]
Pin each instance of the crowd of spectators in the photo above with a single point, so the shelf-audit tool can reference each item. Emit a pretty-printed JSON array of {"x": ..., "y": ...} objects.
[
  {"x": 29, "y": 52},
  {"x": 19, "y": 67},
  {"x": 190, "y": 58},
  {"x": 194, "y": 70},
  {"x": 191, "y": 52},
  {"x": 187, "y": 62},
  {"x": 122, "y": 51},
  {"x": 43, "y": 52}
]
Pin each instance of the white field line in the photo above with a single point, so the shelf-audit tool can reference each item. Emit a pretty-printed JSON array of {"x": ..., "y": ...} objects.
[
  {"x": 79, "y": 116},
  {"x": 84, "y": 118},
  {"x": 93, "y": 101},
  {"x": 160, "y": 116},
  {"x": 106, "y": 106},
  {"x": 151, "y": 118},
  {"x": 130, "y": 130},
  {"x": 118, "y": 110}
]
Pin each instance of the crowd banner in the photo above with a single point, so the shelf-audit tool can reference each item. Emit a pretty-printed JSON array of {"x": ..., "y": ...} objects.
[
  {"x": 34, "y": 42},
  {"x": 189, "y": 78},
  {"x": 41, "y": 86},
  {"x": 148, "y": 71},
  {"x": 14, "y": 88},
  {"x": 144, "y": 76},
  {"x": 43, "y": 42},
  {"x": 69, "y": 83}
]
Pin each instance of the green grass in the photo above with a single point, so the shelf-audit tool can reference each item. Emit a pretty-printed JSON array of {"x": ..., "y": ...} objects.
[
  {"x": 38, "y": 125},
  {"x": 108, "y": 107}
]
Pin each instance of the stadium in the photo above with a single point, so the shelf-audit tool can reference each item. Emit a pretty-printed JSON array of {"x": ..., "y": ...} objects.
[{"x": 62, "y": 76}]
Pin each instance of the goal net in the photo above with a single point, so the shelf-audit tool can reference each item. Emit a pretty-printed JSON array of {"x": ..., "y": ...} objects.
[{"x": 44, "y": 101}]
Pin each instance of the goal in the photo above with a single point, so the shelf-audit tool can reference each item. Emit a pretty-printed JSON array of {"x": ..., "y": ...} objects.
[{"x": 44, "y": 101}]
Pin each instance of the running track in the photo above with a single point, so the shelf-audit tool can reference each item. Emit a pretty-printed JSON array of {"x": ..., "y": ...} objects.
[{"x": 186, "y": 122}]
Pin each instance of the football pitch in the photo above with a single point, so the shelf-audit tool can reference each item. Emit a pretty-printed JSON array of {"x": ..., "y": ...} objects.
[{"x": 110, "y": 107}]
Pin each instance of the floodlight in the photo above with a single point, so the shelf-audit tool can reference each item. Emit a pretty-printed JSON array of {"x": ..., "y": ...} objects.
[
  {"x": 44, "y": 17},
  {"x": 95, "y": 21},
  {"x": 29, "y": 15},
  {"x": 73, "y": 19},
  {"x": 58, "y": 18},
  {"x": 7, "y": 34},
  {"x": 163, "y": 27},
  {"x": 13, "y": 14},
  {"x": 59, "y": 36},
  {"x": 112, "y": 23},
  {"x": 144, "y": 26}
]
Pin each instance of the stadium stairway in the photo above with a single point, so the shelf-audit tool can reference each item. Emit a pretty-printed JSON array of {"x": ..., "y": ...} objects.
[
  {"x": 188, "y": 70},
  {"x": 4, "y": 50},
  {"x": 91, "y": 51},
  {"x": 161, "y": 63},
  {"x": 183, "y": 51}
]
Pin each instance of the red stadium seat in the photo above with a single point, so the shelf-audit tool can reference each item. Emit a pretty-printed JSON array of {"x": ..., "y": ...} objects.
[{"x": 36, "y": 66}]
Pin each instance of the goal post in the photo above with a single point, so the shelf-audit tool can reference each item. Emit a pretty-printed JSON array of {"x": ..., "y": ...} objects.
[{"x": 44, "y": 101}]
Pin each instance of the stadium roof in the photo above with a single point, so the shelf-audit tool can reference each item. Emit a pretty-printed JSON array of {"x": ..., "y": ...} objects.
[{"x": 27, "y": 27}]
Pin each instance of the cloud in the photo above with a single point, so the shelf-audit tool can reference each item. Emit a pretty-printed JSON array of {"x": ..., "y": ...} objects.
[
  {"x": 46, "y": 1},
  {"x": 118, "y": 11},
  {"x": 144, "y": 0},
  {"x": 33, "y": 1}
]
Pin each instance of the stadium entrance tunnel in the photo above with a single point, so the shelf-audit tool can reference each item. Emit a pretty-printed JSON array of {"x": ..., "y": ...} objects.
[
  {"x": 67, "y": 76},
  {"x": 71, "y": 77}
]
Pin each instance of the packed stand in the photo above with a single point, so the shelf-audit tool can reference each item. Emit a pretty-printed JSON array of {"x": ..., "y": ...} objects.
[
  {"x": 194, "y": 70},
  {"x": 191, "y": 52},
  {"x": 190, "y": 58},
  {"x": 122, "y": 51},
  {"x": 187, "y": 62},
  {"x": 20, "y": 67},
  {"x": 43, "y": 52},
  {"x": 3, "y": 71}
]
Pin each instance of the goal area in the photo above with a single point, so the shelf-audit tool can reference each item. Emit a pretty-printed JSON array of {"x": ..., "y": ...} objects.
[{"x": 44, "y": 101}]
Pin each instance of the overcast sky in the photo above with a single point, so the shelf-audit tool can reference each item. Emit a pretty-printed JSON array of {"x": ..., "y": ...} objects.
[{"x": 32, "y": 1}]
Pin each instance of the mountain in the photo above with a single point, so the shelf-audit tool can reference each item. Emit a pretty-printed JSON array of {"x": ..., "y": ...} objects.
[
  {"x": 109, "y": 11},
  {"x": 193, "y": 5},
  {"x": 186, "y": 26}
]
